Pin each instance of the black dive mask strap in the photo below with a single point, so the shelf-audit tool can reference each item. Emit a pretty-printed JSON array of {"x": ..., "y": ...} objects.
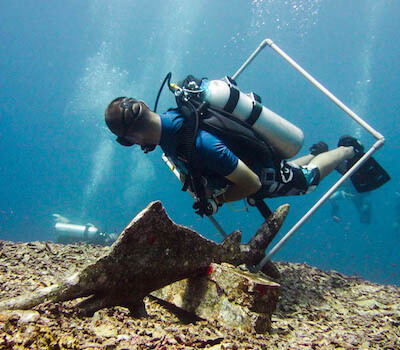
[{"x": 128, "y": 119}]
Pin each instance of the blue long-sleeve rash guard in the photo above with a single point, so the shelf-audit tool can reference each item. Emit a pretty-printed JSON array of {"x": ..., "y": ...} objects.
[{"x": 217, "y": 161}]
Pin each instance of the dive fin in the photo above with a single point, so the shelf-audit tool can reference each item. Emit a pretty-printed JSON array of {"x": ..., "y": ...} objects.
[{"x": 369, "y": 177}]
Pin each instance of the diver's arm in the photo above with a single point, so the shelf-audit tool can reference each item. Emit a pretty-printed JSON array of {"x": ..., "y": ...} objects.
[{"x": 244, "y": 183}]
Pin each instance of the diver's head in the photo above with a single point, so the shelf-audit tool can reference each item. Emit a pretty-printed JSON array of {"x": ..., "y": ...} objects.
[{"x": 129, "y": 118}]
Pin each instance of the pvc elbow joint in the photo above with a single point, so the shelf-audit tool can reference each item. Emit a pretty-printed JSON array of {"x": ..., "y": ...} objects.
[{"x": 266, "y": 42}]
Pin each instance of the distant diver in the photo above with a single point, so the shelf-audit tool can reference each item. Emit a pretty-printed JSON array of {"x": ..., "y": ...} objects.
[
  {"x": 59, "y": 218},
  {"x": 396, "y": 224},
  {"x": 361, "y": 202},
  {"x": 67, "y": 233},
  {"x": 228, "y": 146}
]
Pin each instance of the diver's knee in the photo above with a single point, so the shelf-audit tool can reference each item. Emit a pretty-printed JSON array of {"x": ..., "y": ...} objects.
[{"x": 347, "y": 152}]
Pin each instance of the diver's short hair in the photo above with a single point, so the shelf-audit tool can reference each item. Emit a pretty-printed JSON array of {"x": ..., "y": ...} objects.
[
  {"x": 124, "y": 114},
  {"x": 114, "y": 117}
]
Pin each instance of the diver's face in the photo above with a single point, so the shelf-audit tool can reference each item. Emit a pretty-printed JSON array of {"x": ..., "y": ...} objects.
[{"x": 131, "y": 111}]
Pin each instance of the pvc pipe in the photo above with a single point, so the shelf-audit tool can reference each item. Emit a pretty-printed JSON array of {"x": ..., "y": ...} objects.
[
  {"x": 339, "y": 103},
  {"x": 270, "y": 43},
  {"x": 250, "y": 59},
  {"x": 217, "y": 226}
]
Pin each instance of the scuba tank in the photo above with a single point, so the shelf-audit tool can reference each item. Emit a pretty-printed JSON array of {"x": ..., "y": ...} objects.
[
  {"x": 77, "y": 232},
  {"x": 285, "y": 137}
]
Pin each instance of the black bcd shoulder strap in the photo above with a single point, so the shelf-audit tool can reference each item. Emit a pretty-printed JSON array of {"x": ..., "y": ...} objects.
[{"x": 198, "y": 114}]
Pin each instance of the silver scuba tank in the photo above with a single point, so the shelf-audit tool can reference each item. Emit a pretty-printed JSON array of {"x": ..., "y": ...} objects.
[
  {"x": 277, "y": 131},
  {"x": 79, "y": 232}
]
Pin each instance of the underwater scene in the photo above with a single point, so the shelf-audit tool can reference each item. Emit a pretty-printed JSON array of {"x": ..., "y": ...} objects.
[{"x": 63, "y": 62}]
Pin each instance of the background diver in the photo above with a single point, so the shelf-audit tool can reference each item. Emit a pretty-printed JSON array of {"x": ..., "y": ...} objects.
[
  {"x": 67, "y": 232},
  {"x": 396, "y": 224},
  {"x": 361, "y": 202},
  {"x": 241, "y": 173}
]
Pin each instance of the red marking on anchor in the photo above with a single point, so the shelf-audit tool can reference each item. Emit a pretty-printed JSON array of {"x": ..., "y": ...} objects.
[{"x": 261, "y": 289}]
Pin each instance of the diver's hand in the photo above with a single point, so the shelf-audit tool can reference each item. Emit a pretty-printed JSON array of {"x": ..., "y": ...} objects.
[{"x": 208, "y": 208}]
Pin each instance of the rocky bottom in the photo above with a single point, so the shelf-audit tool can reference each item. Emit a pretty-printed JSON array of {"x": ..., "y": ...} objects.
[{"x": 316, "y": 310}]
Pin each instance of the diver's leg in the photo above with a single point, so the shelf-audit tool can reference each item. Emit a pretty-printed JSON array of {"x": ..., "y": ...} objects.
[
  {"x": 334, "y": 200},
  {"x": 335, "y": 211},
  {"x": 363, "y": 206},
  {"x": 303, "y": 160},
  {"x": 315, "y": 149},
  {"x": 328, "y": 161}
]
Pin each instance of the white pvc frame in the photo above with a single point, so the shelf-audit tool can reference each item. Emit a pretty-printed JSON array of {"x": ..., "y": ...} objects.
[{"x": 377, "y": 145}]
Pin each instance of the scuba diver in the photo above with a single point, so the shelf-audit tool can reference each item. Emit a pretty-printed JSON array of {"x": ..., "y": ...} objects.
[
  {"x": 396, "y": 224},
  {"x": 360, "y": 201},
  {"x": 67, "y": 233},
  {"x": 218, "y": 161}
]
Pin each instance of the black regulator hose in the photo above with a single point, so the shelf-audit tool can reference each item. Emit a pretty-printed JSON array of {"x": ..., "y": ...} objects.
[{"x": 167, "y": 78}]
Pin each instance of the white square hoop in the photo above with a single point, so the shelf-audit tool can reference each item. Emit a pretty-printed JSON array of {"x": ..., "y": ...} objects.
[{"x": 377, "y": 145}]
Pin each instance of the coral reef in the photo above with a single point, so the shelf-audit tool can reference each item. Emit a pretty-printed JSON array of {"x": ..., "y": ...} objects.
[{"x": 316, "y": 310}]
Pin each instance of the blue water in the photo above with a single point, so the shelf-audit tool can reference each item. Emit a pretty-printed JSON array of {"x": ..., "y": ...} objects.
[{"x": 62, "y": 62}]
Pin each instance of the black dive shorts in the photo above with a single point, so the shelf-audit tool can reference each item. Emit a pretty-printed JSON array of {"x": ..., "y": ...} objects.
[{"x": 288, "y": 179}]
